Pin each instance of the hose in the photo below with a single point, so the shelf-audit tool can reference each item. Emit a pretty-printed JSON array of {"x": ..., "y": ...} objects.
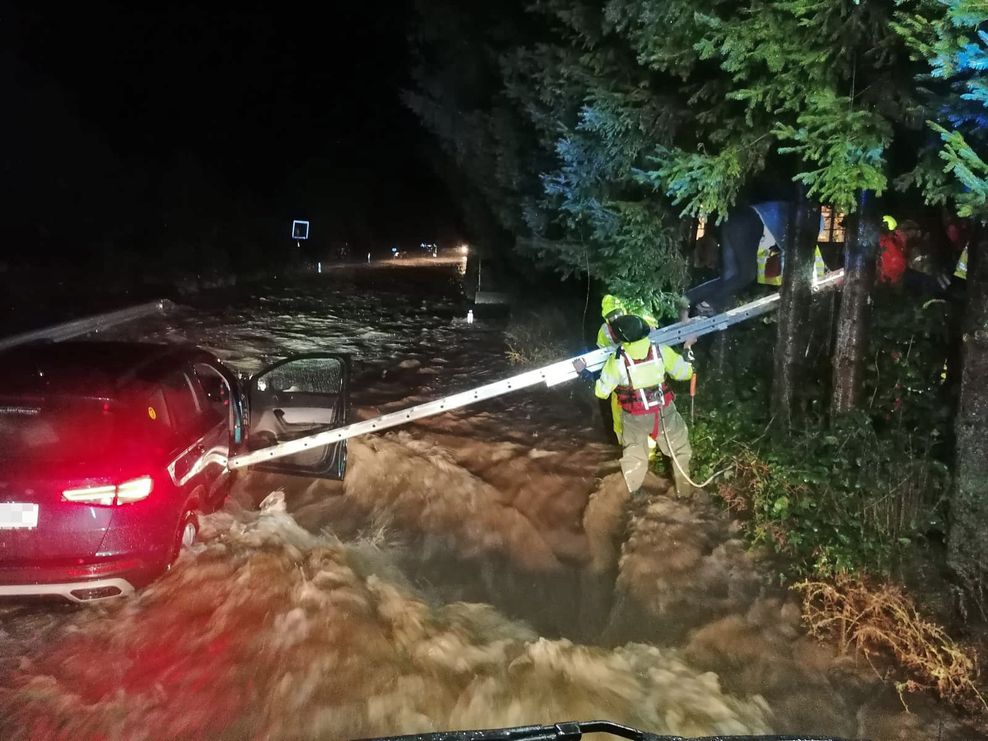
[{"x": 675, "y": 459}]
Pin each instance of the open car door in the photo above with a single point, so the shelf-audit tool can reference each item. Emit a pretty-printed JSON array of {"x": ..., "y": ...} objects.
[{"x": 296, "y": 397}]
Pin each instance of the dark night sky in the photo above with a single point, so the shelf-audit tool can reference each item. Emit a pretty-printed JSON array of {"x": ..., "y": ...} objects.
[{"x": 292, "y": 107}]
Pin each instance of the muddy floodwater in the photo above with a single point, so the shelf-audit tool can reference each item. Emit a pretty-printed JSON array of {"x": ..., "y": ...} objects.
[{"x": 473, "y": 570}]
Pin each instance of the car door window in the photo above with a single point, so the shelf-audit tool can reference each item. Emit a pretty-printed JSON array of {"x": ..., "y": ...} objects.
[
  {"x": 215, "y": 393},
  {"x": 157, "y": 409},
  {"x": 316, "y": 375},
  {"x": 295, "y": 398},
  {"x": 184, "y": 405}
]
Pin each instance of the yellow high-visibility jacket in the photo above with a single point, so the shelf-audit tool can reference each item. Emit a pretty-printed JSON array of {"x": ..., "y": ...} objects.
[{"x": 615, "y": 371}]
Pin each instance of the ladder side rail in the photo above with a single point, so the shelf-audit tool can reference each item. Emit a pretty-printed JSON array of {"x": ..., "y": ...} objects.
[{"x": 551, "y": 375}]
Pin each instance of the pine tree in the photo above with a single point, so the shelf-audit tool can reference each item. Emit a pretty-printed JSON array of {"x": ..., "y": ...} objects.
[
  {"x": 551, "y": 145},
  {"x": 808, "y": 91},
  {"x": 949, "y": 35},
  {"x": 601, "y": 112},
  {"x": 859, "y": 275}
]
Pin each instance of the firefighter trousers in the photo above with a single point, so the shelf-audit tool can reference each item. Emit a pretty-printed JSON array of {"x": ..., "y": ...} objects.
[{"x": 637, "y": 428}]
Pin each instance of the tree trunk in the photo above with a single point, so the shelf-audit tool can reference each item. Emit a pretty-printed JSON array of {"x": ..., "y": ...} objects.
[
  {"x": 797, "y": 277},
  {"x": 718, "y": 379},
  {"x": 968, "y": 536},
  {"x": 852, "y": 324},
  {"x": 689, "y": 241}
]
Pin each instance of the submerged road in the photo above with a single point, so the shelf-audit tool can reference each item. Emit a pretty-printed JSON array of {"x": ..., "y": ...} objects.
[{"x": 467, "y": 573}]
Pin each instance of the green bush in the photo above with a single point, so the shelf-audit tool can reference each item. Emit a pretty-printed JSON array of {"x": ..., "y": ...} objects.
[
  {"x": 841, "y": 496},
  {"x": 833, "y": 500}
]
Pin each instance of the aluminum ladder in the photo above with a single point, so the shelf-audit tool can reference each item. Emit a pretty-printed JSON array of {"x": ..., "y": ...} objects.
[{"x": 551, "y": 375}]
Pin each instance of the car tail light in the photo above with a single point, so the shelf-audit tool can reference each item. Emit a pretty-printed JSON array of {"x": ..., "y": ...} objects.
[
  {"x": 133, "y": 490},
  {"x": 91, "y": 495}
]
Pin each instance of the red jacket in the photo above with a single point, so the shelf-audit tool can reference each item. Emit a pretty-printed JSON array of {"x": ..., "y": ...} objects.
[{"x": 891, "y": 257}]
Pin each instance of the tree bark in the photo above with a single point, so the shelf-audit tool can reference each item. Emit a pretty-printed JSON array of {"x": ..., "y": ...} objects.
[
  {"x": 799, "y": 245},
  {"x": 718, "y": 381},
  {"x": 852, "y": 324},
  {"x": 968, "y": 534}
]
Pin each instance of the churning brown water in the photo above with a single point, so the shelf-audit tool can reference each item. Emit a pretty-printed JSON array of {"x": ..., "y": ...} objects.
[{"x": 468, "y": 573}]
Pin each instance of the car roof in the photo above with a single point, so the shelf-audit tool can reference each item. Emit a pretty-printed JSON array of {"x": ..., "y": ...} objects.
[{"x": 87, "y": 367}]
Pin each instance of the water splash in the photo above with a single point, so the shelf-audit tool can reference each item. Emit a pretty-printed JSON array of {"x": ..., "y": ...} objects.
[
  {"x": 274, "y": 632},
  {"x": 448, "y": 582}
]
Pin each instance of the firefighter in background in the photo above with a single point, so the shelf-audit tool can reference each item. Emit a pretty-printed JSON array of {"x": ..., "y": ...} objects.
[
  {"x": 892, "y": 261},
  {"x": 748, "y": 229},
  {"x": 636, "y": 374},
  {"x": 770, "y": 266},
  {"x": 611, "y": 308},
  {"x": 770, "y": 261}
]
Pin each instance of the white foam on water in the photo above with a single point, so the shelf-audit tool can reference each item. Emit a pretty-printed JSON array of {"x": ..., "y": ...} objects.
[
  {"x": 274, "y": 632},
  {"x": 268, "y": 629}
]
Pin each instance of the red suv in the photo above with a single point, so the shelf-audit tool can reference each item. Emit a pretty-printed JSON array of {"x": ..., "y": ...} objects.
[{"x": 110, "y": 451}]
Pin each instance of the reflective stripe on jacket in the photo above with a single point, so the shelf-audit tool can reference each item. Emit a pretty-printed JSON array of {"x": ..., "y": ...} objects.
[
  {"x": 819, "y": 266},
  {"x": 961, "y": 271},
  {"x": 637, "y": 375},
  {"x": 604, "y": 336}
]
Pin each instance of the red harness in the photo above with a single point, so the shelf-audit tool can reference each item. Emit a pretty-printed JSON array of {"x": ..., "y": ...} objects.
[{"x": 631, "y": 399}]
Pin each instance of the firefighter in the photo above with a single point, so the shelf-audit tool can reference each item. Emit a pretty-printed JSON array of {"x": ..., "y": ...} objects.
[
  {"x": 612, "y": 307},
  {"x": 769, "y": 259},
  {"x": 636, "y": 375},
  {"x": 751, "y": 242},
  {"x": 958, "y": 233},
  {"x": 892, "y": 252}
]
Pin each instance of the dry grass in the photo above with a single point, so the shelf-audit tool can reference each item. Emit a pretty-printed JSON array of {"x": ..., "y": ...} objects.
[
  {"x": 540, "y": 337},
  {"x": 880, "y": 621}
]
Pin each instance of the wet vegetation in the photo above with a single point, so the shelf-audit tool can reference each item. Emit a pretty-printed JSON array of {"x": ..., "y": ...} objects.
[
  {"x": 859, "y": 503},
  {"x": 593, "y": 137},
  {"x": 845, "y": 496}
]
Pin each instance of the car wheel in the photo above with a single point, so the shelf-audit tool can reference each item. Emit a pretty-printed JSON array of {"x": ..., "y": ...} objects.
[{"x": 188, "y": 531}]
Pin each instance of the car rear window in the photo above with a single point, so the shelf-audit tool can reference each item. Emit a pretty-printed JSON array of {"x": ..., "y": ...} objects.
[{"x": 63, "y": 430}]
